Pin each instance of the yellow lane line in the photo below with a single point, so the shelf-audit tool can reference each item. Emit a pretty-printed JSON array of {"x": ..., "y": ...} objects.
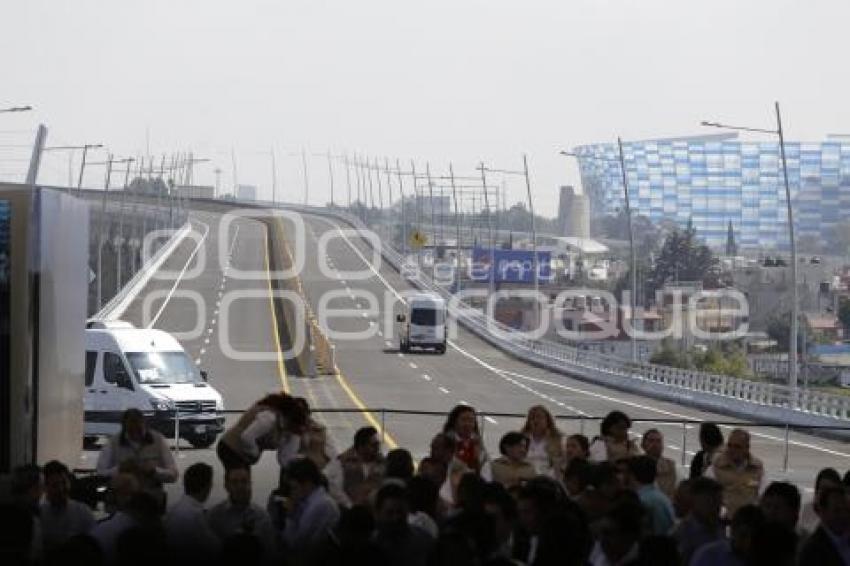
[
  {"x": 370, "y": 418},
  {"x": 281, "y": 367}
]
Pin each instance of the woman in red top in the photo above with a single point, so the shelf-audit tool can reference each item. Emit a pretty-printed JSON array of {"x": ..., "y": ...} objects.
[{"x": 462, "y": 426}]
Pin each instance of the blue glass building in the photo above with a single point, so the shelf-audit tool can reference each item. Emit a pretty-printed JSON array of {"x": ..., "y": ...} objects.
[{"x": 717, "y": 179}]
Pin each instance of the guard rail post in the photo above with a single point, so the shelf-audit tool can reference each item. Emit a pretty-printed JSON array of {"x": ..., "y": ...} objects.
[{"x": 684, "y": 442}]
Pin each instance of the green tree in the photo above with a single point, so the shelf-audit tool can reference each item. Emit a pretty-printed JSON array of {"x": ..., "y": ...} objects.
[
  {"x": 682, "y": 258},
  {"x": 779, "y": 329}
]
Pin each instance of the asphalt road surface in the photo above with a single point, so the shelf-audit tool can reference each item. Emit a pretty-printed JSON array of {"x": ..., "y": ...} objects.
[{"x": 203, "y": 303}]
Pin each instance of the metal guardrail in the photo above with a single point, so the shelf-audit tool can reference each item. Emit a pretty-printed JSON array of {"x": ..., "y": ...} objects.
[
  {"x": 749, "y": 399},
  {"x": 116, "y": 306}
]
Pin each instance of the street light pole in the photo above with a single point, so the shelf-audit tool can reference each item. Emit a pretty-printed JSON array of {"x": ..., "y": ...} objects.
[
  {"x": 306, "y": 178},
  {"x": 274, "y": 177},
  {"x": 536, "y": 260},
  {"x": 331, "y": 176},
  {"x": 491, "y": 252},
  {"x": 348, "y": 180},
  {"x": 403, "y": 210},
  {"x": 457, "y": 231},
  {"x": 795, "y": 307},
  {"x": 632, "y": 260}
]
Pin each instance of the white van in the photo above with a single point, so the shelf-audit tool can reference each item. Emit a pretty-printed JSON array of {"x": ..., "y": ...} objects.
[
  {"x": 129, "y": 367},
  {"x": 423, "y": 325}
]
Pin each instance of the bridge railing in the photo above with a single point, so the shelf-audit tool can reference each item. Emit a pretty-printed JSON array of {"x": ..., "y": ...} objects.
[{"x": 730, "y": 395}]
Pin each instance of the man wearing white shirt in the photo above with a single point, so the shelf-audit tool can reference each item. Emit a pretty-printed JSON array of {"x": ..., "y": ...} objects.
[
  {"x": 61, "y": 517},
  {"x": 186, "y": 527}
]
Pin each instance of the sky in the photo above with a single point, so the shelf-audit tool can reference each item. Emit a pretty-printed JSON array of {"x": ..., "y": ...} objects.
[{"x": 437, "y": 82}]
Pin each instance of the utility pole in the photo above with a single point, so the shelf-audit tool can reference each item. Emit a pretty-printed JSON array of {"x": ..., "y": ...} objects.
[
  {"x": 217, "y": 192},
  {"x": 306, "y": 177},
  {"x": 536, "y": 260},
  {"x": 458, "y": 262},
  {"x": 632, "y": 259},
  {"x": 491, "y": 252},
  {"x": 348, "y": 180},
  {"x": 274, "y": 178},
  {"x": 403, "y": 210},
  {"x": 331, "y": 176}
]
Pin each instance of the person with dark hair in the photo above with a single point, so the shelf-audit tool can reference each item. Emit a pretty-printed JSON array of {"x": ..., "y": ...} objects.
[
  {"x": 442, "y": 448},
  {"x": 350, "y": 543},
  {"x": 511, "y": 468},
  {"x": 186, "y": 527},
  {"x": 545, "y": 442},
  {"x": 829, "y": 544},
  {"x": 433, "y": 470},
  {"x": 61, "y": 517},
  {"x": 462, "y": 427},
  {"x": 652, "y": 445},
  {"x": 780, "y": 503},
  {"x": 399, "y": 465},
  {"x": 809, "y": 520},
  {"x": 577, "y": 477},
  {"x": 272, "y": 423},
  {"x": 312, "y": 513},
  {"x": 141, "y": 449},
  {"x": 702, "y": 524},
  {"x": 552, "y": 529},
  {"x": 613, "y": 442},
  {"x": 619, "y": 534},
  {"x": 577, "y": 447},
  {"x": 470, "y": 493},
  {"x": 27, "y": 488},
  {"x": 740, "y": 548},
  {"x": 423, "y": 498},
  {"x": 502, "y": 508},
  {"x": 401, "y": 543},
  {"x": 356, "y": 473},
  {"x": 659, "y": 510},
  {"x": 738, "y": 471},
  {"x": 239, "y": 515},
  {"x": 711, "y": 441},
  {"x": 604, "y": 485},
  {"x": 137, "y": 509}
]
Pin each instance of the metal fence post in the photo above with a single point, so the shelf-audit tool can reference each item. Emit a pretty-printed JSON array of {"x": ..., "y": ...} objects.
[
  {"x": 785, "y": 460},
  {"x": 684, "y": 442},
  {"x": 581, "y": 424},
  {"x": 383, "y": 426}
]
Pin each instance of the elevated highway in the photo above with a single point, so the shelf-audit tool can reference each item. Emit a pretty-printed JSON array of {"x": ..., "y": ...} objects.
[{"x": 372, "y": 372}]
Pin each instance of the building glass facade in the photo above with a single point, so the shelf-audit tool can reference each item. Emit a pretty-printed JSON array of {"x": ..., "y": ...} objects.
[{"x": 717, "y": 179}]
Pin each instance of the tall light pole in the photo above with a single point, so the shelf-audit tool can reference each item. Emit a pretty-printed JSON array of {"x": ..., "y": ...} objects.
[
  {"x": 457, "y": 231},
  {"x": 86, "y": 149},
  {"x": 492, "y": 252},
  {"x": 348, "y": 180},
  {"x": 795, "y": 304},
  {"x": 632, "y": 256},
  {"x": 306, "y": 177}
]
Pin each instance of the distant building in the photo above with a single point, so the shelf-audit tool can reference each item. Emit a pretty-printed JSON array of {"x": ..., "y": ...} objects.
[
  {"x": 573, "y": 213},
  {"x": 195, "y": 191},
  {"x": 717, "y": 180},
  {"x": 246, "y": 192}
]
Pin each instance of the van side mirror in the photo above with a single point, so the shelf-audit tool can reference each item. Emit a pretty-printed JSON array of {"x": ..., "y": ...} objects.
[
  {"x": 204, "y": 375},
  {"x": 400, "y": 318},
  {"x": 122, "y": 379}
]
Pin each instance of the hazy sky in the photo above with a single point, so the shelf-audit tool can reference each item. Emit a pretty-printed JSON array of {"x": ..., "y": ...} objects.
[{"x": 442, "y": 80}]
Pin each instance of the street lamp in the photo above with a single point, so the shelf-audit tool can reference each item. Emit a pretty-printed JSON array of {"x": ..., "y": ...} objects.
[
  {"x": 632, "y": 255},
  {"x": 15, "y": 109},
  {"x": 795, "y": 307},
  {"x": 535, "y": 259}
]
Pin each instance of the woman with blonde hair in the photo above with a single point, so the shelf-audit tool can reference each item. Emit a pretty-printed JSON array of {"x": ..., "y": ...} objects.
[{"x": 545, "y": 442}]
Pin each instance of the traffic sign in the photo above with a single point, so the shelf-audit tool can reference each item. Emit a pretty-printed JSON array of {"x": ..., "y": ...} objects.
[{"x": 418, "y": 239}]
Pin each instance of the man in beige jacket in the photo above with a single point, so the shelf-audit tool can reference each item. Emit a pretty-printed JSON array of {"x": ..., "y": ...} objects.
[{"x": 739, "y": 472}]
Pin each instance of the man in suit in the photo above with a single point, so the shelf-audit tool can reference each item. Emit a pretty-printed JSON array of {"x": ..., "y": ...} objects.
[{"x": 830, "y": 543}]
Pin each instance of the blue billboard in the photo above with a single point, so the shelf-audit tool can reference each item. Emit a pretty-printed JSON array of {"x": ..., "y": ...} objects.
[{"x": 511, "y": 266}]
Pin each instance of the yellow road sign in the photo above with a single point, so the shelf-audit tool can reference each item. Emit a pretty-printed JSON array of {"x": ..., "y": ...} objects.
[{"x": 418, "y": 239}]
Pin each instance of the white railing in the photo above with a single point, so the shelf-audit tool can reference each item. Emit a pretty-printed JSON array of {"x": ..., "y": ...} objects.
[{"x": 754, "y": 399}]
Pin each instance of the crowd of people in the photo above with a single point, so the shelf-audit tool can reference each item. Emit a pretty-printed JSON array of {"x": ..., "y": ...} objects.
[{"x": 545, "y": 498}]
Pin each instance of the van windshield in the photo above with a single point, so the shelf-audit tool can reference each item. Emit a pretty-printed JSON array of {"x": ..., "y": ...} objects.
[
  {"x": 163, "y": 367},
  {"x": 426, "y": 317}
]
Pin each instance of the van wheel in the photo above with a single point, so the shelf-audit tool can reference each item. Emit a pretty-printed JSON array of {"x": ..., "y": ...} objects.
[
  {"x": 403, "y": 347},
  {"x": 89, "y": 443},
  {"x": 201, "y": 440},
  {"x": 441, "y": 349}
]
